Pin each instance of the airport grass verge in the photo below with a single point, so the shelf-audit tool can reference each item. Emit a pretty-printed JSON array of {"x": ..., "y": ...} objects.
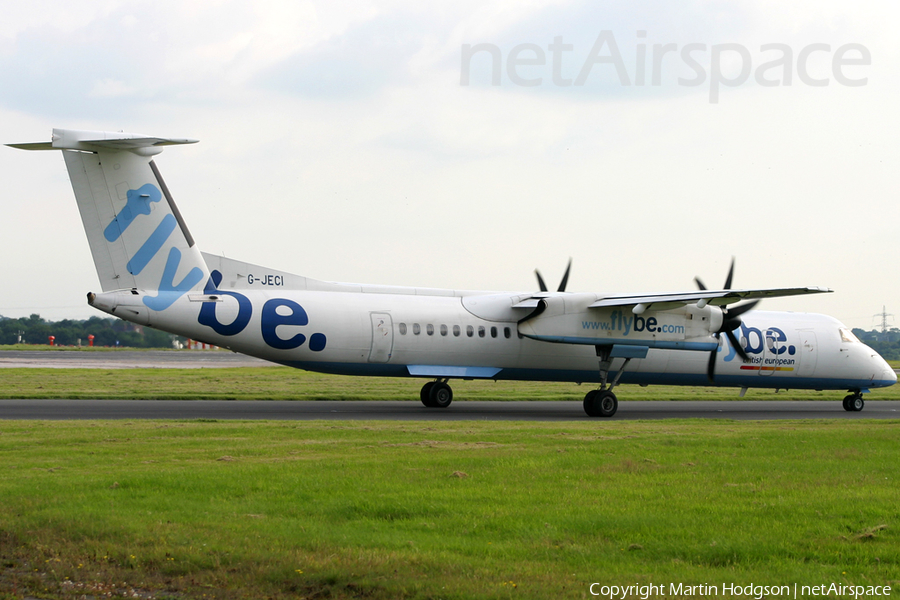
[
  {"x": 195, "y": 509},
  {"x": 284, "y": 383},
  {"x": 57, "y": 348}
]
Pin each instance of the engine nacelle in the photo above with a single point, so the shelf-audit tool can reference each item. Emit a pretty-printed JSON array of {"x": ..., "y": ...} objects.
[{"x": 567, "y": 319}]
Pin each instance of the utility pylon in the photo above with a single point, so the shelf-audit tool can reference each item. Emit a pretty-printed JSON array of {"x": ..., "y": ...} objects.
[{"x": 884, "y": 317}]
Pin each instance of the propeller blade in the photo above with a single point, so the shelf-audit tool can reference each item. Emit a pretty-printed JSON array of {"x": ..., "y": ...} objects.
[
  {"x": 565, "y": 279},
  {"x": 736, "y": 344},
  {"x": 736, "y": 311},
  {"x": 711, "y": 366},
  {"x": 540, "y": 279},
  {"x": 730, "y": 322},
  {"x": 730, "y": 275}
]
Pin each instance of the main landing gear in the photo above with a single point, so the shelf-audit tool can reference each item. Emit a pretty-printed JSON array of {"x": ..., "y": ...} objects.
[
  {"x": 436, "y": 394},
  {"x": 854, "y": 402},
  {"x": 602, "y": 402}
]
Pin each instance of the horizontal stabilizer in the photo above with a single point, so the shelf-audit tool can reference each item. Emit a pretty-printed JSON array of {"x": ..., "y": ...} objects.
[{"x": 91, "y": 141}]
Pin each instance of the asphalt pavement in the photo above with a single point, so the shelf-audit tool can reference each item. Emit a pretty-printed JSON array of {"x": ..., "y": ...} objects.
[
  {"x": 353, "y": 410},
  {"x": 412, "y": 410},
  {"x": 127, "y": 359}
]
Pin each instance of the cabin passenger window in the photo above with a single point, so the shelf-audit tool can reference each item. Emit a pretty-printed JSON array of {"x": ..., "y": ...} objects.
[
  {"x": 470, "y": 331},
  {"x": 402, "y": 328},
  {"x": 456, "y": 331},
  {"x": 480, "y": 331},
  {"x": 443, "y": 330},
  {"x": 416, "y": 329},
  {"x": 429, "y": 329},
  {"x": 506, "y": 332},
  {"x": 493, "y": 332}
]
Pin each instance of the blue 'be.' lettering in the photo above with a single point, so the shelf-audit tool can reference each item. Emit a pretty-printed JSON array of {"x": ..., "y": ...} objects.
[
  {"x": 754, "y": 341},
  {"x": 270, "y": 319}
]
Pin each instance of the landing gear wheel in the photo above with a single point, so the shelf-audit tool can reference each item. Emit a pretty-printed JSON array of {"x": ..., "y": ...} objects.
[
  {"x": 440, "y": 395},
  {"x": 425, "y": 394},
  {"x": 599, "y": 403},
  {"x": 854, "y": 403}
]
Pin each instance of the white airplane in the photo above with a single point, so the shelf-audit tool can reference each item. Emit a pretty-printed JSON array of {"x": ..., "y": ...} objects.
[{"x": 152, "y": 273}]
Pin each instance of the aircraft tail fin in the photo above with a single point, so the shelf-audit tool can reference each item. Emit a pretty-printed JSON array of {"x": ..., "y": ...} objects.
[{"x": 137, "y": 236}]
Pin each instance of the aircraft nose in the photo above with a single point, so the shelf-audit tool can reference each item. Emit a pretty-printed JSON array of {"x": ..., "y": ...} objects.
[{"x": 887, "y": 375}]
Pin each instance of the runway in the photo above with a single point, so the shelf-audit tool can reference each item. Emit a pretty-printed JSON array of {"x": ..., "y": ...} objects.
[
  {"x": 414, "y": 411},
  {"x": 126, "y": 359},
  {"x": 373, "y": 410}
]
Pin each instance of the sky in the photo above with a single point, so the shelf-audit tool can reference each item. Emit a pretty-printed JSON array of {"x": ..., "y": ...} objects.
[{"x": 464, "y": 144}]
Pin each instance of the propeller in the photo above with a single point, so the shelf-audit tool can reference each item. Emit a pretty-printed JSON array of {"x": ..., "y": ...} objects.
[
  {"x": 731, "y": 320},
  {"x": 562, "y": 284}
]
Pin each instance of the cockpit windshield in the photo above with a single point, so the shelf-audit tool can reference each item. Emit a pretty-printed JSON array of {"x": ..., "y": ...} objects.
[{"x": 847, "y": 336}]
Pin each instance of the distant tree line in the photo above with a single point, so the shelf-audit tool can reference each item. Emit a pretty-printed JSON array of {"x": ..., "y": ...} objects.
[
  {"x": 106, "y": 332},
  {"x": 886, "y": 343}
]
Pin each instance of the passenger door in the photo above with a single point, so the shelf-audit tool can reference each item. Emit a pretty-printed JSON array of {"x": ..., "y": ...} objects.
[{"x": 382, "y": 337}]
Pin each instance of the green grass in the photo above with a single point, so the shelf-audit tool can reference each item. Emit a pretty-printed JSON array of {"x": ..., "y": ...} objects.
[
  {"x": 283, "y": 383},
  {"x": 450, "y": 510}
]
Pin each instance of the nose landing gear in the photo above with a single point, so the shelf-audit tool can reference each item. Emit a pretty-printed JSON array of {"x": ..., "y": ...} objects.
[{"x": 854, "y": 402}]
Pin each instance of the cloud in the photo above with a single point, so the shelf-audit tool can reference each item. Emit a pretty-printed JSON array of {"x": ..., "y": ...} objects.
[
  {"x": 319, "y": 119},
  {"x": 353, "y": 65}
]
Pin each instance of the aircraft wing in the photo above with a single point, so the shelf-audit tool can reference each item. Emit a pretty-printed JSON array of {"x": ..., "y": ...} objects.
[
  {"x": 662, "y": 301},
  {"x": 667, "y": 300}
]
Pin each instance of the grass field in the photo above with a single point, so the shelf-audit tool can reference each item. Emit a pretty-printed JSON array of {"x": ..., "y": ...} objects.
[
  {"x": 430, "y": 510},
  {"x": 449, "y": 510}
]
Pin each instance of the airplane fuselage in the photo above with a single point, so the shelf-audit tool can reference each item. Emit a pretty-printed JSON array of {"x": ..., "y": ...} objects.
[{"x": 437, "y": 336}]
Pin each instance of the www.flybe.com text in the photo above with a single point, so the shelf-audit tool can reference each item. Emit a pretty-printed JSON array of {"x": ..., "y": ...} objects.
[{"x": 619, "y": 322}]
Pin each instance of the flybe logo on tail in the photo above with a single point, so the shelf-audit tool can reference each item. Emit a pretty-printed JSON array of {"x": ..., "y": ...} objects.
[
  {"x": 138, "y": 204},
  {"x": 169, "y": 291}
]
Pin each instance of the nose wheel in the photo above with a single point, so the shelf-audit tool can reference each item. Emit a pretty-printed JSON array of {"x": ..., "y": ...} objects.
[{"x": 854, "y": 402}]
